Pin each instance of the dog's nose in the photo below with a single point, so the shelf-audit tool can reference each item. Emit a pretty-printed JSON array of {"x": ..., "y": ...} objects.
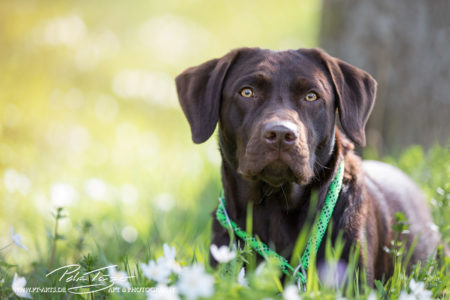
[{"x": 280, "y": 132}]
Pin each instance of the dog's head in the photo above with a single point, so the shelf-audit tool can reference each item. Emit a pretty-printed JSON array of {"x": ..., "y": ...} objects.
[{"x": 276, "y": 109}]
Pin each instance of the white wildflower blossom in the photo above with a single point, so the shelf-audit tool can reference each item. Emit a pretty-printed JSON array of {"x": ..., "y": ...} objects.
[
  {"x": 222, "y": 254},
  {"x": 241, "y": 278},
  {"x": 372, "y": 296},
  {"x": 170, "y": 264},
  {"x": 260, "y": 268},
  {"x": 169, "y": 252},
  {"x": 291, "y": 293},
  {"x": 169, "y": 258},
  {"x": 158, "y": 271},
  {"x": 18, "y": 287},
  {"x": 405, "y": 296},
  {"x": 17, "y": 239},
  {"x": 194, "y": 282},
  {"x": 119, "y": 278},
  {"x": 419, "y": 291}
]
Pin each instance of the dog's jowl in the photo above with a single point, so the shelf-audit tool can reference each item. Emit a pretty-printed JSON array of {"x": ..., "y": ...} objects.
[{"x": 277, "y": 114}]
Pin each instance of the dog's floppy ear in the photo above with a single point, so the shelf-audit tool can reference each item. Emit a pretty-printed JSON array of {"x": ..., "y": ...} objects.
[
  {"x": 356, "y": 91},
  {"x": 199, "y": 91}
]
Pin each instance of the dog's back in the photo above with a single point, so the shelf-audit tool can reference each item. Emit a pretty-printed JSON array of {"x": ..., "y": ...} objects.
[{"x": 393, "y": 191}]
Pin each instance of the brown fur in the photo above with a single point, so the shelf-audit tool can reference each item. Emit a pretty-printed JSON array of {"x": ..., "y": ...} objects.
[{"x": 278, "y": 148}]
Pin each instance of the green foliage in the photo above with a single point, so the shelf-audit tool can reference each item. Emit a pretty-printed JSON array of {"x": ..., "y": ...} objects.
[
  {"x": 431, "y": 171},
  {"x": 263, "y": 281}
]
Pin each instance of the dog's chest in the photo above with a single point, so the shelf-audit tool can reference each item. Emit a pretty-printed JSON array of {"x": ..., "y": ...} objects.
[{"x": 278, "y": 228}]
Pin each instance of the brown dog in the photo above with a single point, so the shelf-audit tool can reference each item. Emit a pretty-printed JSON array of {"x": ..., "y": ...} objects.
[{"x": 278, "y": 140}]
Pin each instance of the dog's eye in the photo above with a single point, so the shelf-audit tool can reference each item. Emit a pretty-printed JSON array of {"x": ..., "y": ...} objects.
[
  {"x": 246, "y": 92},
  {"x": 311, "y": 97}
]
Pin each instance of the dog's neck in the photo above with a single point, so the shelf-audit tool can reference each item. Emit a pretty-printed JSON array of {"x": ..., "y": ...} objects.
[{"x": 239, "y": 192}]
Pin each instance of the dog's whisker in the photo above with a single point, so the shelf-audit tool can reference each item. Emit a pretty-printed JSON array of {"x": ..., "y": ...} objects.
[
  {"x": 285, "y": 198},
  {"x": 266, "y": 193},
  {"x": 322, "y": 166}
]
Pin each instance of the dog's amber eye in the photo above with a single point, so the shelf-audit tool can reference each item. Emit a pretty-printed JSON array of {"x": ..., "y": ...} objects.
[
  {"x": 311, "y": 97},
  {"x": 247, "y": 92}
]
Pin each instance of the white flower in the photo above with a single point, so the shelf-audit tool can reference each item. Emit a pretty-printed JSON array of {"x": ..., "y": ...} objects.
[
  {"x": 405, "y": 296},
  {"x": 118, "y": 277},
  {"x": 18, "y": 287},
  {"x": 222, "y": 254},
  {"x": 372, "y": 296},
  {"x": 419, "y": 291},
  {"x": 241, "y": 278},
  {"x": 169, "y": 259},
  {"x": 260, "y": 268},
  {"x": 169, "y": 252},
  {"x": 17, "y": 239},
  {"x": 194, "y": 282},
  {"x": 170, "y": 264},
  {"x": 158, "y": 272},
  {"x": 163, "y": 292},
  {"x": 291, "y": 293}
]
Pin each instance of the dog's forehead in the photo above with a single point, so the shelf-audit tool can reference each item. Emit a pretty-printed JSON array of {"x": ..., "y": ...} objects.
[{"x": 272, "y": 64}]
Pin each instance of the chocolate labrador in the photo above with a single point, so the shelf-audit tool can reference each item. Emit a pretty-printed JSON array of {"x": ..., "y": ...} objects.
[{"x": 279, "y": 142}]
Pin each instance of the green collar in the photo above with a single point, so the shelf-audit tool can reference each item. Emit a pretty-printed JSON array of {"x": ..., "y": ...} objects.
[{"x": 314, "y": 240}]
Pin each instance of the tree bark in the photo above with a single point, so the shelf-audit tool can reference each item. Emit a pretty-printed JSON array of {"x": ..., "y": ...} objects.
[{"x": 405, "y": 45}]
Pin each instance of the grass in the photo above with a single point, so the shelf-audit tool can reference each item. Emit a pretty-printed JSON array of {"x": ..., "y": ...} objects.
[{"x": 187, "y": 229}]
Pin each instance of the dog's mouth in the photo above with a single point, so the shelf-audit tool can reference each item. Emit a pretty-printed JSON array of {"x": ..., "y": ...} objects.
[{"x": 277, "y": 173}]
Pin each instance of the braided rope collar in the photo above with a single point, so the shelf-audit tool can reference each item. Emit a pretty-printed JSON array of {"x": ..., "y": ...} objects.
[{"x": 314, "y": 239}]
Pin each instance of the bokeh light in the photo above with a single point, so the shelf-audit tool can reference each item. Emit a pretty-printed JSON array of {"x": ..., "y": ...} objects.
[{"x": 90, "y": 121}]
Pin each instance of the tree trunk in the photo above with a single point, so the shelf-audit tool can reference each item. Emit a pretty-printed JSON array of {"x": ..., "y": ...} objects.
[{"x": 405, "y": 45}]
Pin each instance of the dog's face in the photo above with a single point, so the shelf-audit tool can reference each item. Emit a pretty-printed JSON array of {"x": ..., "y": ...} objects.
[{"x": 276, "y": 109}]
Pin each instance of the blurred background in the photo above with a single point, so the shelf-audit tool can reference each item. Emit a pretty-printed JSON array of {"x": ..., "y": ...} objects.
[
  {"x": 405, "y": 45},
  {"x": 89, "y": 118}
]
